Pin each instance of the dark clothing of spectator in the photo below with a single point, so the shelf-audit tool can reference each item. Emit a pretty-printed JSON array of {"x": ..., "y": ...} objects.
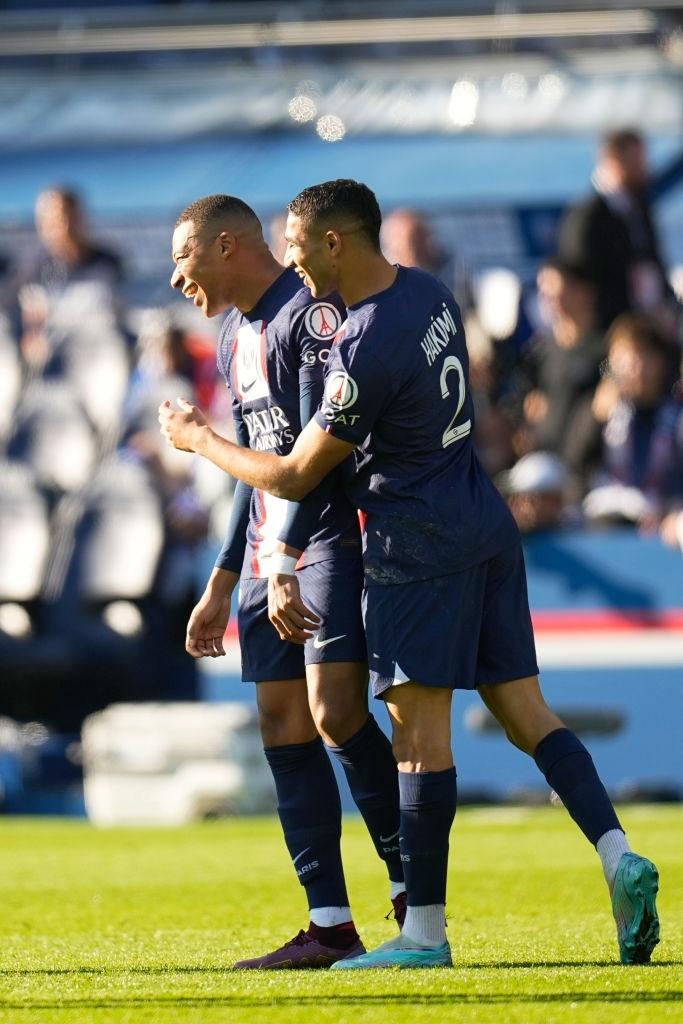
[
  {"x": 639, "y": 448},
  {"x": 567, "y": 377},
  {"x": 52, "y": 273},
  {"x": 643, "y": 448},
  {"x": 614, "y": 240},
  {"x": 88, "y": 287}
]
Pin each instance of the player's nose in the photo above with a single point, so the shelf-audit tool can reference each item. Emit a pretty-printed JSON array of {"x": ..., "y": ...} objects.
[{"x": 177, "y": 279}]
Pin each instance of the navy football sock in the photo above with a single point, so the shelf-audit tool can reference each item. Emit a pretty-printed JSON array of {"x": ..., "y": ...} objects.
[
  {"x": 370, "y": 767},
  {"x": 310, "y": 812},
  {"x": 341, "y": 936},
  {"x": 569, "y": 770},
  {"x": 428, "y": 802}
]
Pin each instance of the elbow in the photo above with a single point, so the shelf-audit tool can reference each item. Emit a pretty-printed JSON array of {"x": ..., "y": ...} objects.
[
  {"x": 292, "y": 481},
  {"x": 292, "y": 490}
]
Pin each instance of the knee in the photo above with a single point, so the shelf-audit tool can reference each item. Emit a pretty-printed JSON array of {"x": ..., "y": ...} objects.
[
  {"x": 517, "y": 739},
  {"x": 283, "y": 726},
  {"x": 403, "y": 750},
  {"x": 416, "y": 753},
  {"x": 337, "y": 722}
]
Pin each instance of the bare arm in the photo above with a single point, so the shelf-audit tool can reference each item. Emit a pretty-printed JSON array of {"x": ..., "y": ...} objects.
[{"x": 291, "y": 476}]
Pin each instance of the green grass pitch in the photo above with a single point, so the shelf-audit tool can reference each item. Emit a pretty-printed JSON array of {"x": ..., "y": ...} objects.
[{"x": 138, "y": 926}]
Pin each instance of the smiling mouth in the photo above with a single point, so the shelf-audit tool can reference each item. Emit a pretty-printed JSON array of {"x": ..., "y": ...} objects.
[{"x": 194, "y": 297}]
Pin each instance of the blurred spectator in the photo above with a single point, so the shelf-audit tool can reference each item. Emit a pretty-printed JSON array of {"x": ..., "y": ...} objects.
[
  {"x": 493, "y": 429},
  {"x": 170, "y": 362},
  {"x": 408, "y": 239},
  {"x": 611, "y": 235},
  {"x": 639, "y": 420},
  {"x": 276, "y": 235},
  {"x": 671, "y": 529},
  {"x": 535, "y": 489},
  {"x": 561, "y": 368},
  {"x": 67, "y": 282},
  {"x": 165, "y": 349},
  {"x": 186, "y": 522},
  {"x": 496, "y": 331}
]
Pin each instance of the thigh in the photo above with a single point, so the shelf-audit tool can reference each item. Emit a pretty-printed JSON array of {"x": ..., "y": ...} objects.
[
  {"x": 521, "y": 709},
  {"x": 333, "y": 589},
  {"x": 421, "y": 723},
  {"x": 506, "y": 647},
  {"x": 264, "y": 655}
]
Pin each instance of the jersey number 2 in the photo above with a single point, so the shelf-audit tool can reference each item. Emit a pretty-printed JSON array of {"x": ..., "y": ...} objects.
[{"x": 451, "y": 433}]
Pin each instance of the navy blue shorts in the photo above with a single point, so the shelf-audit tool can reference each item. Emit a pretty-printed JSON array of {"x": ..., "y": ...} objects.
[
  {"x": 333, "y": 590},
  {"x": 459, "y": 631}
]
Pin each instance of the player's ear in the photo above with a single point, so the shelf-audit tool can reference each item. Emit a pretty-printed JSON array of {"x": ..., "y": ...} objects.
[
  {"x": 333, "y": 242},
  {"x": 226, "y": 241}
]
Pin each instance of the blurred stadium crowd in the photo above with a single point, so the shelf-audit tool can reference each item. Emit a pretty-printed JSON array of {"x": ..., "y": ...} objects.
[
  {"x": 576, "y": 377},
  {"x": 100, "y": 520}
]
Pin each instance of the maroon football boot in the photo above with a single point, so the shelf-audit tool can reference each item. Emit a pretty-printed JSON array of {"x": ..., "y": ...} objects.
[{"x": 310, "y": 949}]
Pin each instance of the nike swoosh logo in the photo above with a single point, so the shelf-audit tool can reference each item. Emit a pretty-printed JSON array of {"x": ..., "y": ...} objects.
[
  {"x": 295, "y": 859},
  {"x": 248, "y": 387},
  {"x": 323, "y": 643},
  {"x": 385, "y": 839}
]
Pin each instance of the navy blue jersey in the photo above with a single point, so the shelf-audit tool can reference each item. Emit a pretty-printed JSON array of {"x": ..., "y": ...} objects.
[
  {"x": 396, "y": 385},
  {"x": 266, "y": 357}
]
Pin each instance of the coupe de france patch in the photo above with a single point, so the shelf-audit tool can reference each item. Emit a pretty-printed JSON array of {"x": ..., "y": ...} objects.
[
  {"x": 341, "y": 390},
  {"x": 323, "y": 320}
]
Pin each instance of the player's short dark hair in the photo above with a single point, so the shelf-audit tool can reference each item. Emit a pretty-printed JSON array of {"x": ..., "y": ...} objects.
[
  {"x": 343, "y": 197},
  {"x": 617, "y": 142},
  {"x": 216, "y": 208}
]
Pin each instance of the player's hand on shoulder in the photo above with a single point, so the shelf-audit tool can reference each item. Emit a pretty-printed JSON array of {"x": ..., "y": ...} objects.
[
  {"x": 207, "y": 625},
  {"x": 287, "y": 612}
]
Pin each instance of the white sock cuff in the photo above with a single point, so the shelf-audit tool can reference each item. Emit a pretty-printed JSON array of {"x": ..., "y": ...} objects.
[
  {"x": 328, "y": 917},
  {"x": 426, "y": 925},
  {"x": 611, "y": 847},
  {"x": 395, "y": 888}
]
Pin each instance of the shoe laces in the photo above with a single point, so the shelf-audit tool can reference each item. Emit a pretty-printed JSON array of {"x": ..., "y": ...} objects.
[
  {"x": 300, "y": 940},
  {"x": 398, "y": 907}
]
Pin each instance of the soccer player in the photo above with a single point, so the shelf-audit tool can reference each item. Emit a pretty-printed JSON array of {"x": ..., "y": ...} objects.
[
  {"x": 445, "y": 599},
  {"x": 272, "y": 350}
]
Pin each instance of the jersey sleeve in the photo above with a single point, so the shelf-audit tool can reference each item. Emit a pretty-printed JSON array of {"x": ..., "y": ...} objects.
[
  {"x": 357, "y": 387},
  {"x": 312, "y": 331},
  {"x": 231, "y": 555}
]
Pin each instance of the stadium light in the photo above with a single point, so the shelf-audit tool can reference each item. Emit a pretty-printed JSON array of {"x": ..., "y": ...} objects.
[
  {"x": 463, "y": 104},
  {"x": 331, "y": 128},
  {"x": 302, "y": 109}
]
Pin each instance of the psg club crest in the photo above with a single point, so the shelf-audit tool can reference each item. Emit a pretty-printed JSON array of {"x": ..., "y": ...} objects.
[
  {"x": 323, "y": 320},
  {"x": 341, "y": 390}
]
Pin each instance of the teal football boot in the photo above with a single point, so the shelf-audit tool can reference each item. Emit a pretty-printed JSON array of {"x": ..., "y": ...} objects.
[
  {"x": 633, "y": 905},
  {"x": 400, "y": 952}
]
